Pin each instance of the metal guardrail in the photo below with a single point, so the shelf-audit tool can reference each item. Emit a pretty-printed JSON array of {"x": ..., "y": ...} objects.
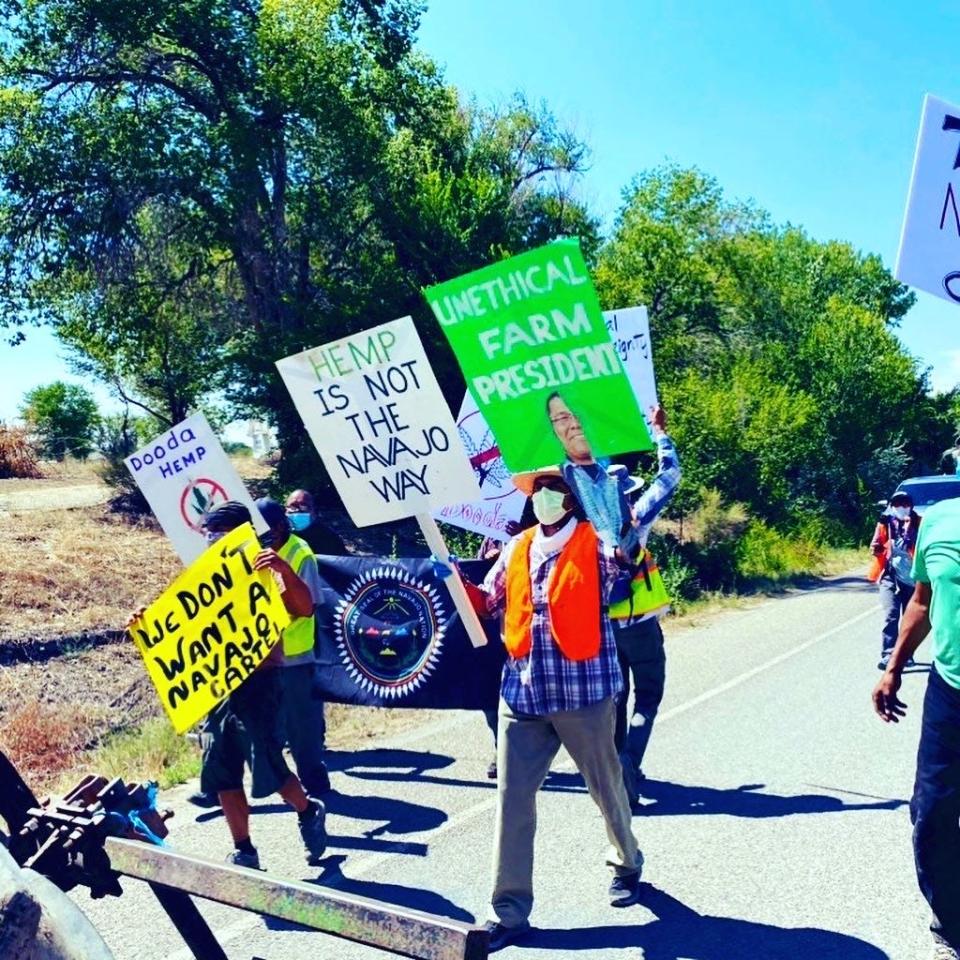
[
  {"x": 102, "y": 830},
  {"x": 406, "y": 932}
]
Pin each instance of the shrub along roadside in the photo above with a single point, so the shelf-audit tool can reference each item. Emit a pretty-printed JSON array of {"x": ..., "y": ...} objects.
[
  {"x": 152, "y": 751},
  {"x": 720, "y": 549}
]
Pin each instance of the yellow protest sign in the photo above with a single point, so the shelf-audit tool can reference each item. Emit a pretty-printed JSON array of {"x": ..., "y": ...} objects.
[{"x": 211, "y": 628}]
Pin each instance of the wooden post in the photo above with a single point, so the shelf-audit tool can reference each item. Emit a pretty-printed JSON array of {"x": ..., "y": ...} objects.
[{"x": 437, "y": 545}]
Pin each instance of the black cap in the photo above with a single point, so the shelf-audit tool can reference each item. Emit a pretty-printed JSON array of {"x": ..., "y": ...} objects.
[
  {"x": 901, "y": 496},
  {"x": 271, "y": 511},
  {"x": 225, "y": 517}
]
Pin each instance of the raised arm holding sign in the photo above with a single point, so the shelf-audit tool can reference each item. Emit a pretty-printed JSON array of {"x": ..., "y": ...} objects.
[{"x": 211, "y": 628}]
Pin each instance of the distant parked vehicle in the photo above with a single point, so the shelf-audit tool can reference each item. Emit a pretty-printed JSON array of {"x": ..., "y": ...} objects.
[{"x": 926, "y": 491}]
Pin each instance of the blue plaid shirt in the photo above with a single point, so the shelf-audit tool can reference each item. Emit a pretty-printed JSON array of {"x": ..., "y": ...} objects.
[{"x": 554, "y": 682}]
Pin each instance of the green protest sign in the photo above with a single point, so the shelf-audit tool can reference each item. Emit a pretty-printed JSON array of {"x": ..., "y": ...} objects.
[{"x": 538, "y": 359}]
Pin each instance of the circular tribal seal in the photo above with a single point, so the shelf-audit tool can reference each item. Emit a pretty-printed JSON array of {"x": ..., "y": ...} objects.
[{"x": 389, "y": 630}]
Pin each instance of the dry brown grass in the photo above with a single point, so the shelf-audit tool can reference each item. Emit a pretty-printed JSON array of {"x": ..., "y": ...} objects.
[
  {"x": 70, "y": 572},
  {"x": 44, "y": 741}
]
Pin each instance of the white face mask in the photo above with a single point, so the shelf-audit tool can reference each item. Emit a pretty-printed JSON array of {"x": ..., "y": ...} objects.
[
  {"x": 548, "y": 505},
  {"x": 901, "y": 513}
]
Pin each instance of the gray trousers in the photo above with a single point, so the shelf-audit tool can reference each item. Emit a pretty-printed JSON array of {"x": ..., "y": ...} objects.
[
  {"x": 894, "y": 597},
  {"x": 526, "y": 745}
]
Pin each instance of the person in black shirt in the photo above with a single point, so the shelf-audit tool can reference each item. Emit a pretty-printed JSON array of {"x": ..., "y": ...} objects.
[{"x": 305, "y": 522}]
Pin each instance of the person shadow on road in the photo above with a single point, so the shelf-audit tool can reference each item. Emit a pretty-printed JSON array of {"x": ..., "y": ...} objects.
[
  {"x": 663, "y": 798},
  {"x": 680, "y": 932}
]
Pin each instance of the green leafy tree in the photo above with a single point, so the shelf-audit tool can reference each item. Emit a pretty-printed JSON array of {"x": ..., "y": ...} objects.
[
  {"x": 64, "y": 417},
  {"x": 775, "y": 353},
  {"x": 310, "y": 152},
  {"x": 155, "y": 333}
]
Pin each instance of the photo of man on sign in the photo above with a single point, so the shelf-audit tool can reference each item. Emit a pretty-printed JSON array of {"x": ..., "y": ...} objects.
[
  {"x": 568, "y": 430},
  {"x": 530, "y": 337}
]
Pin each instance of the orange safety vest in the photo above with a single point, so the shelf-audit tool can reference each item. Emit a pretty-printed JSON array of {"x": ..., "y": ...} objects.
[
  {"x": 882, "y": 537},
  {"x": 573, "y": 597}
]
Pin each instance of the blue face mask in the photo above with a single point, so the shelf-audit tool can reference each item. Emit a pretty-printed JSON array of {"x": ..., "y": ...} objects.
[{"x": 299, "y": 521}]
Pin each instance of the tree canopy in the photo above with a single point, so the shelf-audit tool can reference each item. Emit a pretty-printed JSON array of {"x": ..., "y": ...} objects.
[
  {"x": 301, "y": 157},
  {"x": 190, "y": 191},
  {"x": 64, "y": 417},
  {"x": 775, "y": 352}
]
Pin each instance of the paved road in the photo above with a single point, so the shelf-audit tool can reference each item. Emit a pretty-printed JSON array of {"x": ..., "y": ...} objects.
[
  {"x": 56, "y": 495},
  {"x": 777, "y": 827}
]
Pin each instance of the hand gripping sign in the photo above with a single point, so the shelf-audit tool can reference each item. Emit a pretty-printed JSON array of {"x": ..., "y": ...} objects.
[
  {"x": 538, "y": 359},
  {"x": 211, "y": 628},
  {"x": 374, "y": 411},
  {"x": 182, "y": 474}
]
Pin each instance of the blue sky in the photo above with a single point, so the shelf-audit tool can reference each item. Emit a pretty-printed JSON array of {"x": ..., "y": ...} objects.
[{"x": 810, "y": 108}]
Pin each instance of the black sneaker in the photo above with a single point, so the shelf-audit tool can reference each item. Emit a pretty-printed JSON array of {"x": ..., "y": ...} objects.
[
  {"x": 492, "y": 770},
  {"x": 206, "y": 800},
  {"x": 313, "y": 832},
  {"x": 245, "y": 858},
  {"x": 501, "y": 936},
  {"x": 625, "y": 891},
  {"x": 883, "y": 662}
]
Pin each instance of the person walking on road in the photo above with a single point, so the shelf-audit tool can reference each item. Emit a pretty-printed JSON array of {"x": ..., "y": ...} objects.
[
  {"x": 302, "y": 712},
  {"x": 559, "y": 688},
  {"x": 245, "y": 727},
  {"x": 637, "y": 619},
  {"x": 934, "y": 608},
  {"x": 893, "y": 546}
]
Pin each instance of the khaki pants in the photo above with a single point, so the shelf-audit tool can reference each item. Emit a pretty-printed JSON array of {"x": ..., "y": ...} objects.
[{"x": 526, "y": 745}]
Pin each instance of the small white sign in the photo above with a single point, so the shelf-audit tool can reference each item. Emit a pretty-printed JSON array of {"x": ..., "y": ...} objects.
[
  {"x": 500, "y": 501},
  {"x": 183, "y": 473},
  {"x": 929, "y": 254},
  {"x": 630, "y": 331},
  {"x": 374, "y": 411}
]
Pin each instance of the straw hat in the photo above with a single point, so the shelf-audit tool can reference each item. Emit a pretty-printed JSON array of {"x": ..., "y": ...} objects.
[{"x": 524, "y": 481}]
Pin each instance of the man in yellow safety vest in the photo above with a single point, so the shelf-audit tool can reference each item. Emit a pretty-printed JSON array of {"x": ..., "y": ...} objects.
[{"x": 302, "y": 712}]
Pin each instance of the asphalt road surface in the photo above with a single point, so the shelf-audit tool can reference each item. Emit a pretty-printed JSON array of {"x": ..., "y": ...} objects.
[{"x": 776, "y": 826}]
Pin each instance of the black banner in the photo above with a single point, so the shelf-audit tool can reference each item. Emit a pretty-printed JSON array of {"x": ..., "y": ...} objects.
[{"x": 390, "y": 636}]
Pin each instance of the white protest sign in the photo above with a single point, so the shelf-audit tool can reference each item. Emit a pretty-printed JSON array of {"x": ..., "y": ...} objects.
[
  {"x": 630, "y": 332},
  {"x": 375, "y": 413},
  {"x": 500, "y": 501},
  {"x": 929, "y": 254},
  {"x": 182, "y": 474}
]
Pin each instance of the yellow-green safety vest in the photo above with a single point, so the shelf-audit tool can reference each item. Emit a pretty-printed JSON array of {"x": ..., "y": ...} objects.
[
  {"x": 648, "y": 595},
  {"x": 300, "y": 636}
]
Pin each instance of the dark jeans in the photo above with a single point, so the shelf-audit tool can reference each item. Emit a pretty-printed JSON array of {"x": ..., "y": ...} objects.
[
  {"x": 643, "y": 661},
  {"x": 894, "y": 597},
  {"x": 490, "y": 716},
  {"x": 305, "y": 727},
  {"x": 935, "y": 808}
]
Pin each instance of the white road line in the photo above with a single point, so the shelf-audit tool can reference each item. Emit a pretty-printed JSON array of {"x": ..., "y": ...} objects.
[
  {"x": 750, "y": 674},
  {"x": 361, "y": 866}
]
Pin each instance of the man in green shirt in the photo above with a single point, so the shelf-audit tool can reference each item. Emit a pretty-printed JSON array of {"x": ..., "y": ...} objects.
[{"x": 935, "y": 808}]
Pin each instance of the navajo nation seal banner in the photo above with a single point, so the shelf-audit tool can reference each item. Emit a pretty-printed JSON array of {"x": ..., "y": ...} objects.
[
  {"x": 375, "y": 413},
  {"x": 389, "y": 636},
  {"x": 211, "y": 628},
  {"x": 533, "y": 346}
]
